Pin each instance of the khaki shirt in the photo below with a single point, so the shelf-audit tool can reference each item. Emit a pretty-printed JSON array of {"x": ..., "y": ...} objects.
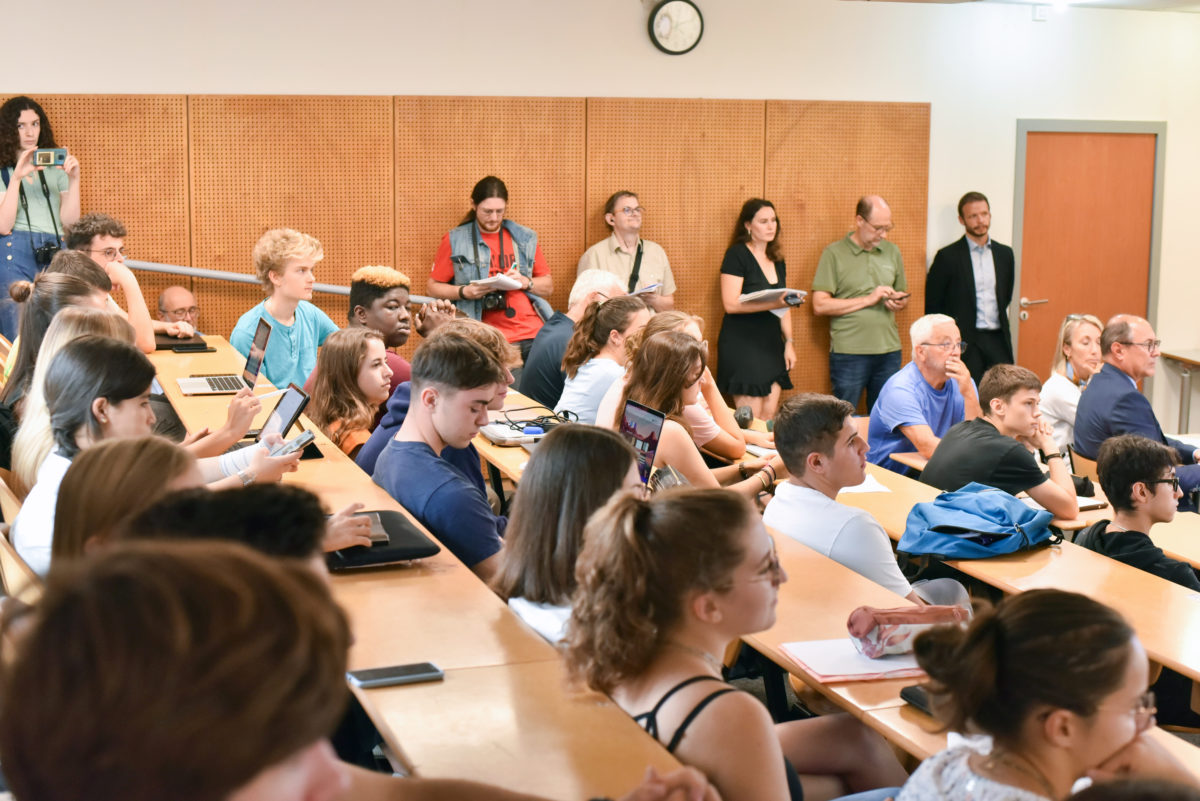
[
  {"x": 612, "y": 257},
  {"x": 847, "y": 271}
]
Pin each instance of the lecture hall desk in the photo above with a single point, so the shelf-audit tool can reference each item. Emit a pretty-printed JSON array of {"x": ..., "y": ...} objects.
[
  {"x": 1165, "y": 615},
  {"x": 503, "y": 714}
]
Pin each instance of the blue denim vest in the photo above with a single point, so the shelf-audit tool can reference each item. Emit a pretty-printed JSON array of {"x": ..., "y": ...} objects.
[{"x": 462, "y": 256}]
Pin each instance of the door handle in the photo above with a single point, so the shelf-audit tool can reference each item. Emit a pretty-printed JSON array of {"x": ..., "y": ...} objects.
[{"x": 1026, "y": 302}]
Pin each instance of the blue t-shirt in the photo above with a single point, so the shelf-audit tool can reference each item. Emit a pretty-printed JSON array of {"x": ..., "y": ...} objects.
[
  {"x": 292, "y": 349},
  {"x": 465, "y": 459},
  {"x": 907, "y": 399},
  {"x": 437, "y": 494}
]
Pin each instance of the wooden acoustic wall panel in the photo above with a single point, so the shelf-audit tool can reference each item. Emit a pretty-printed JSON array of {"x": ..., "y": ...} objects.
[
  {"x": 444, "y": 145},
  {"x": 693, "y": 164},
  {"x": 820, "y": 158},
  {"x": 133, "y": 155},
  {"x": 321, "y": 165}
]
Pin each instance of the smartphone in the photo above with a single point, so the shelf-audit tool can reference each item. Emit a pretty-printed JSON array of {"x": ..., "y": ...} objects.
[
  {"x": 49, "y": 156},
  {"x": 294, "y": 444},
  {"x": 901, "y": 296},
  {"x": 641, "y": 427},
  {"x": 397, "y": 674}
]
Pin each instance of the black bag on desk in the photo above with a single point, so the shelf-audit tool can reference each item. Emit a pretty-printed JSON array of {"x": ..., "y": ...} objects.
[{"x": 405, "y": 542}]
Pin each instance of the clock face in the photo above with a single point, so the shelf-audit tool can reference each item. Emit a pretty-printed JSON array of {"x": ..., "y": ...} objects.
[{"x": 676, "y": 26}]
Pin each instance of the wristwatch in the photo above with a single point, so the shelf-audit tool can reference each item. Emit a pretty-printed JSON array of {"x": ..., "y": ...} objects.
[{"x": 246, "y": 476}]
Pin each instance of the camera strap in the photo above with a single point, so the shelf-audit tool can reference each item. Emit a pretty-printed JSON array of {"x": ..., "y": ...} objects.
[
  {"x": 637, "y": 268},
  {"x": 8, "y": 176},
  {"x": 509, "y": 311}
]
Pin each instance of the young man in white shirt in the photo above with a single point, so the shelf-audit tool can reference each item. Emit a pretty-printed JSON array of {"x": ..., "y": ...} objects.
[{"x": 818, "y": 439}]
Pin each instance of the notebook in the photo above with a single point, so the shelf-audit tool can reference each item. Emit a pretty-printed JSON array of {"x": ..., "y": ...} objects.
[
  {"x": 394, "y": 539},
  {"x": 230, "y": 384}
]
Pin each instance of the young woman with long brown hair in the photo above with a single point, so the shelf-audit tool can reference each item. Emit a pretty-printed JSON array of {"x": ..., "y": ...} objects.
[{"x": 353, "y": 382}]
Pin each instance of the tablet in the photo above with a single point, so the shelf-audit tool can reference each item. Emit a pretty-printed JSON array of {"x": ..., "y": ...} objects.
[
  {"x": 642, "y": 426},
  {"x": 287, "y": 410}
]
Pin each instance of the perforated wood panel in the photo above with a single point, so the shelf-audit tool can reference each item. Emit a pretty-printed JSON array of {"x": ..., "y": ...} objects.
[
  {"x": 820, "y": 158},
  {"x": 133, "y": 155},
  {"x": 444, "y": 145},
  {"x": 322, "y": 165},
  {"x": 693, "y": 163}
]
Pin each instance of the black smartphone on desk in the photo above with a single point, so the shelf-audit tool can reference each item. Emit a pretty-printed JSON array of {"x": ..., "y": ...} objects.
[{"x": 397, "y": 674}]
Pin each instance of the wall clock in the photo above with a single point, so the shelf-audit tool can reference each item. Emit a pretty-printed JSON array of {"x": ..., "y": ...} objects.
[{"x": 676, "y": 26}]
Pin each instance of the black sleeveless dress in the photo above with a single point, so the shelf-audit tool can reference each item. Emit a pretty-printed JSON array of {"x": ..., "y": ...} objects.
[{"x": 750, "y": 346}]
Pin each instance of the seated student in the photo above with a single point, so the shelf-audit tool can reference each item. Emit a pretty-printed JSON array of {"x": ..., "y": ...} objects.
[
  {"x": 453, "y": 381},
  {"x": 919, "y": 404},
  {"x": 666, "y": 374},
  {"x": 664, "y": 586},
  {"x": 103, "y": 238},
  {"x": 353, "y": 382},
  {"x": 1113, "y": 405},
  {"x": 379, "y": 301},
  {"x": 542, "y": 377},
  {"x": 40, "y": 300},
  {"x": 111, "y": 483},
  {"x": 96, "y": 389},
  {"x": 465, "y": 459},
  {"x": 819, "y": 442},
  {"x": 595, "y": 355},
  {"x": 1138, "y": 478},
  {"x": 34, "y": 439},
  {"x": 1015, "y": 674},
  {"x": 711, "y": 422},
  {"x": 1075, "y": 362},
  {"x": 572, "y": 473},
  {"x": 284, "y": 262},
  {"x": 994, "y": 449},
  {"x": 194, "y": 711}
]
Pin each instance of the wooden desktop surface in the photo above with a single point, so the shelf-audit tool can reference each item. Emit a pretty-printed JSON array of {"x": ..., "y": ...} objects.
[
  {"x": 471, "y": 725},
  {"x": 502, "y": 715}
]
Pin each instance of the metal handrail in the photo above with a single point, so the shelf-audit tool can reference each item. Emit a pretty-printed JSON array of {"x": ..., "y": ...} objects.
[{"x": 238, "y": 278}]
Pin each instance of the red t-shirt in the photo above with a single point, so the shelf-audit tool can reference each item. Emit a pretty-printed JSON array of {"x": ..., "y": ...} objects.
[{"x": 525, "y": 323}]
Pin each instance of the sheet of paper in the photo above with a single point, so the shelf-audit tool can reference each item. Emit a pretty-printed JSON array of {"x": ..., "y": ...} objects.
[
  {"x": 839, "y": 660},
  {"x": 760, "y": 451},
  {"x": 498, "y": 281},
  {"x": 870, "y": 485},
  {"x": 647, "y": 289}
]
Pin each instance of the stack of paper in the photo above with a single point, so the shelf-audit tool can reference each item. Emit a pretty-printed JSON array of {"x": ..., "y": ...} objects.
[{"x": 498, "y": 281}]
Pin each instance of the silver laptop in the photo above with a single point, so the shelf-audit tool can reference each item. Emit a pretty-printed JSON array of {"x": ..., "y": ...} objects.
[{"x": 230, "y": 384}]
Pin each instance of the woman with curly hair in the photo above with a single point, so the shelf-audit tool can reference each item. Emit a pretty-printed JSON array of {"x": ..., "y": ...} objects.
[{"x": 38, "y": 202}]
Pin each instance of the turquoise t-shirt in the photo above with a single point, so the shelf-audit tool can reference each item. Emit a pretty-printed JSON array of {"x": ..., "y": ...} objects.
[
  {"x": 39, "y": 219},
  {"x": 292, "y": 349}
]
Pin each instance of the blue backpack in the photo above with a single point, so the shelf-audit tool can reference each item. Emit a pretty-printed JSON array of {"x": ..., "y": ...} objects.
[{"x": 975, "y": 522}]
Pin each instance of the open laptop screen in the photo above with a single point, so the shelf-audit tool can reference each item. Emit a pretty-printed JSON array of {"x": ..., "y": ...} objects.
[
  {"x": 642, "y": 426},
  {"x": 258, "y": 349}
]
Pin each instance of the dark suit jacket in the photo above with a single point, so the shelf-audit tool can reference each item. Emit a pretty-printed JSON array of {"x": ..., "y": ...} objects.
[
  {"x": 1111, "y": 405},
  {"x": 950, "y": 286}
]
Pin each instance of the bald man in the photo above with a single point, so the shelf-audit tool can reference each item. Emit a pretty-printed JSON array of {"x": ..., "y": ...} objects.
[
  {"x": 1112, "y": 405},
  {"x": 860, "y": 283},
  {"x": 177, "y": 303}
]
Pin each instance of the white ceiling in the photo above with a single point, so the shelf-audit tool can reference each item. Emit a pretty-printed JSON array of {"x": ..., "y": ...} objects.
[{"x": 1192, "y": 6}]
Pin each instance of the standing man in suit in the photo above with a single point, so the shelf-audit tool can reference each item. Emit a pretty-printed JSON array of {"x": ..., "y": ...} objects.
[
  {"x": 971, "y": 280},
  {"x": 1112, "y": 405}
]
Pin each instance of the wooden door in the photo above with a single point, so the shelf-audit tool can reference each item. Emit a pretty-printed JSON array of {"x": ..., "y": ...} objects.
[{"x": 1089, "y": 203}]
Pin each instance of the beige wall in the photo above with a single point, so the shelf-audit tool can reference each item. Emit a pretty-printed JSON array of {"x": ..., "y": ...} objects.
[{"x": 982, "y": 66}]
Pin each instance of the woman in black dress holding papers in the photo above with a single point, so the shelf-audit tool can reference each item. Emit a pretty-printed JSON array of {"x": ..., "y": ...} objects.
[{"x": 754, "y": 350}]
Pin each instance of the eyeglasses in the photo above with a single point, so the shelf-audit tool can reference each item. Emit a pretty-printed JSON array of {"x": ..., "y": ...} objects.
[
  {"x": 1173, "y": 481},
  {"x": 883, "y": 229},
  {"x": 179, "y": 314},
  {"x": 1150, "y": 345},
  {"x": 1143, "y": 710},
  {"x": 110, "y": 253},
  {"x": 629, "y": 211},
  {"x": 960, "y": 346}
]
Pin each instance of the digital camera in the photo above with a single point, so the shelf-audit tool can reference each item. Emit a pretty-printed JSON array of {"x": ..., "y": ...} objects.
[
  {"x": 49, "y": 157},
  {"x": 494, "y": 300},
  {"x": 45, "y": 254}
]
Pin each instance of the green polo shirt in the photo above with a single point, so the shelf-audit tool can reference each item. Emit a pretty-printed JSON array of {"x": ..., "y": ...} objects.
[
  {"x": 39, "y": 210},
  {"x": 848, "y": 271}
]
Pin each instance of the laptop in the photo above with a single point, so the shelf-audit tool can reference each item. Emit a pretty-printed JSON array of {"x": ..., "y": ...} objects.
[
  {"x": 180, "y": 345},
  {"x": 393, "y": 539},
  {"x": 231, "y": 384},
  {"x": 642, "y": 427},
  {"x": 506, "y": 431}
]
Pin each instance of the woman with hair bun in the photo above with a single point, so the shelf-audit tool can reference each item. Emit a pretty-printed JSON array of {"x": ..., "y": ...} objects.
[
  {"x": 663, "y": 586},
  {"x": 596, "y": 353},
  {"x": 1058, "y": 681}
]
